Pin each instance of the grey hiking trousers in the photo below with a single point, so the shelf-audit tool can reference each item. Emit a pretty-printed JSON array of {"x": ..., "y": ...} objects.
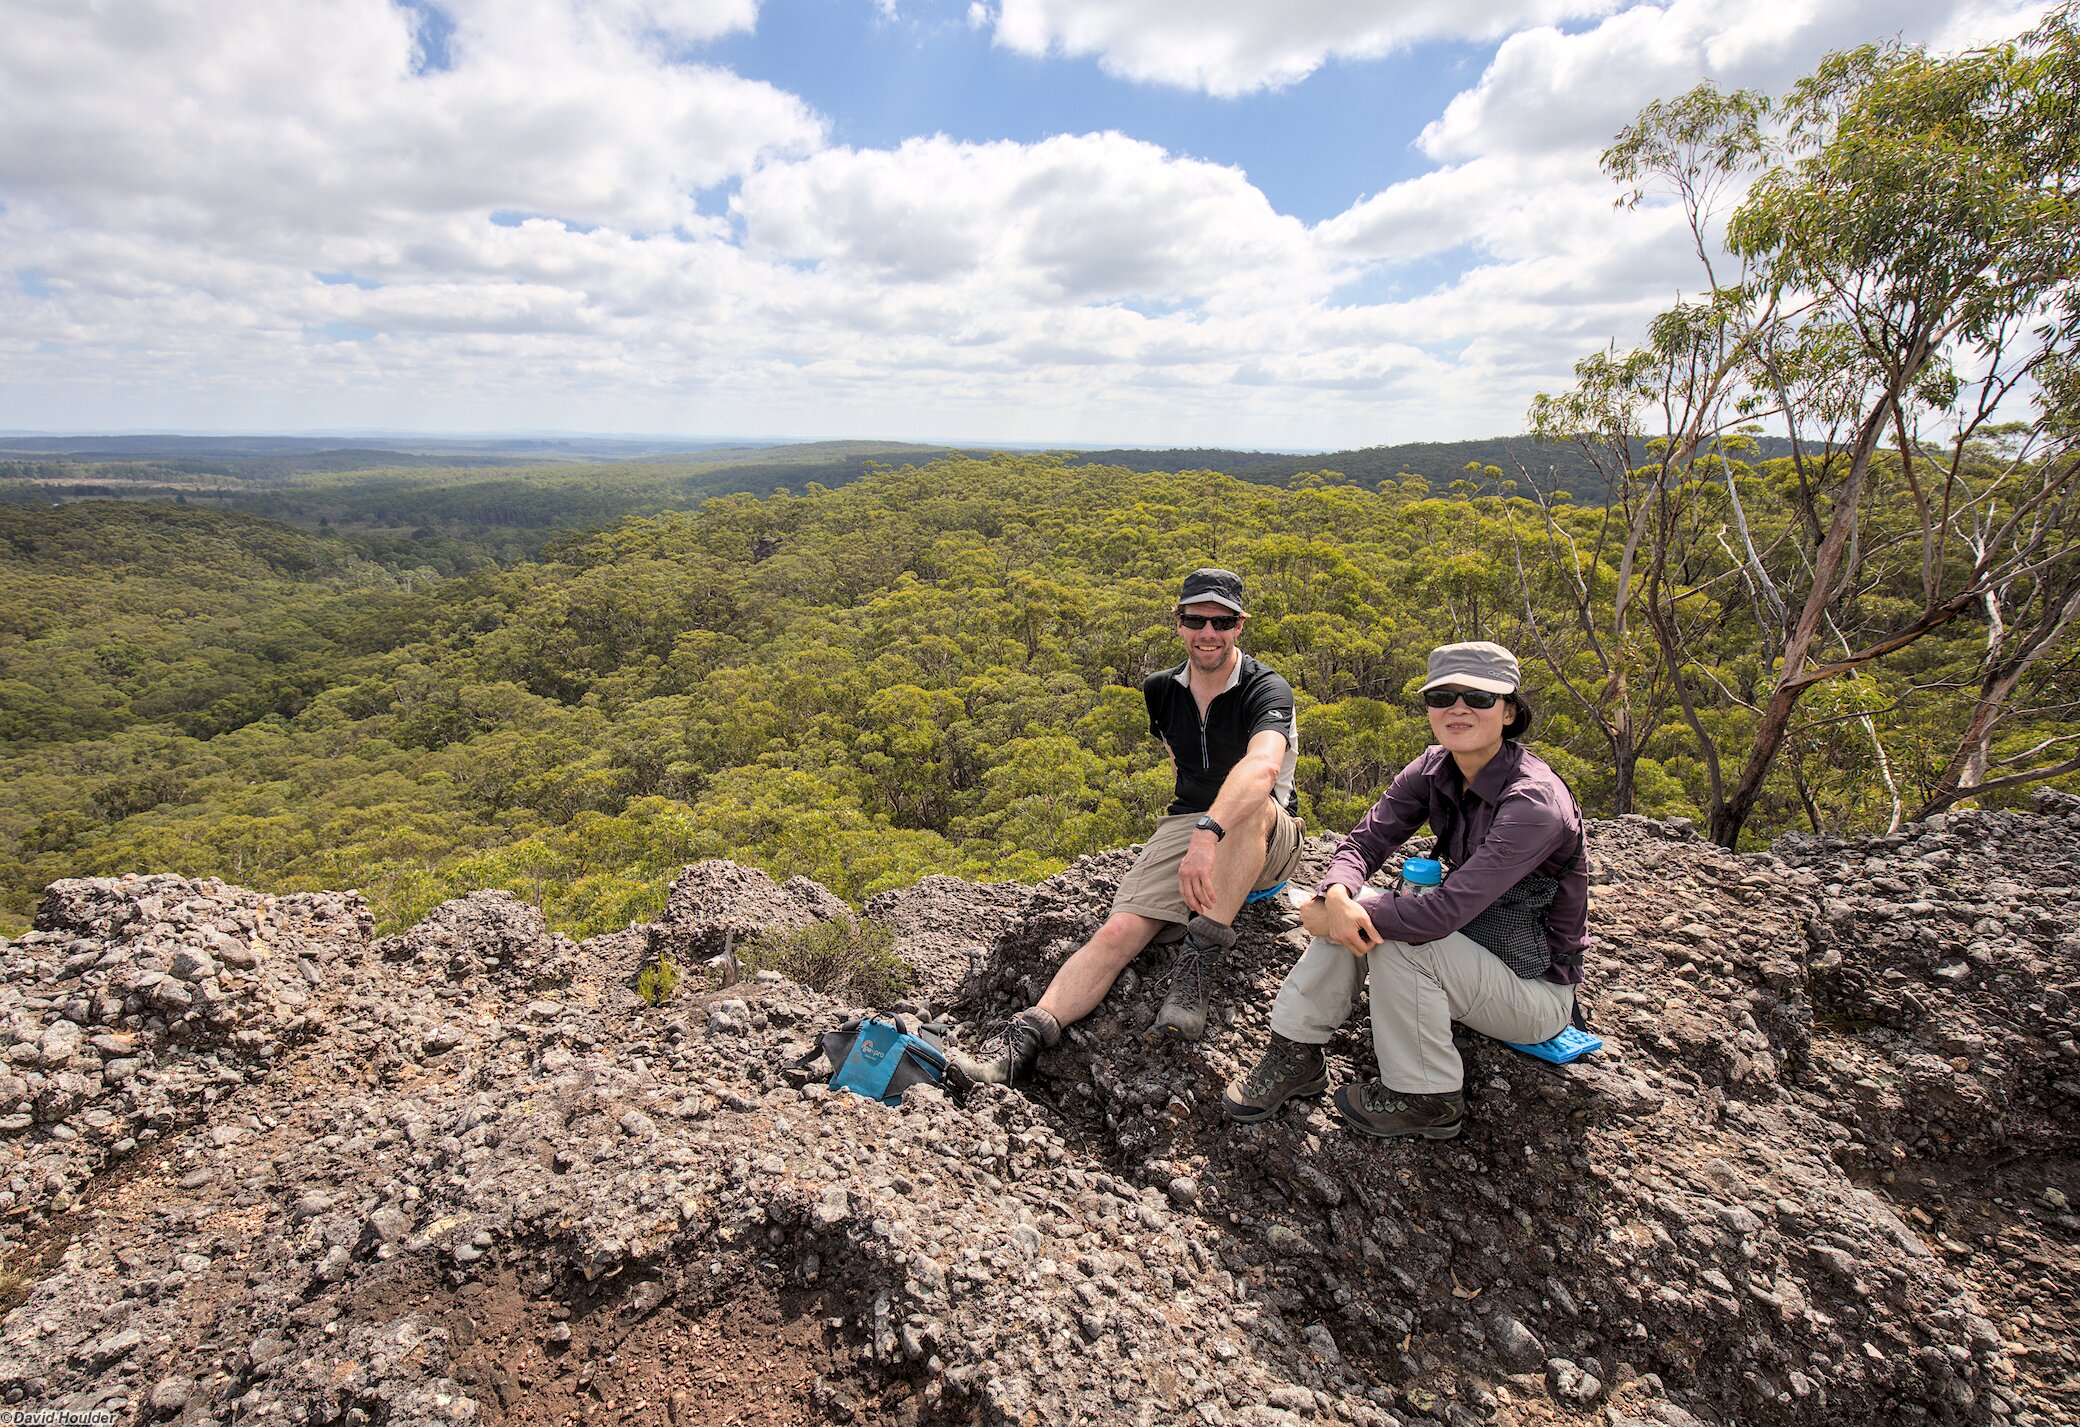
[{"x": 1417, "y": 991}]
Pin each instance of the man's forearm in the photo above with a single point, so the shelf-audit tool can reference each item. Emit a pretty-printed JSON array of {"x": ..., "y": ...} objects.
[{"x": 1247, "y": 787}]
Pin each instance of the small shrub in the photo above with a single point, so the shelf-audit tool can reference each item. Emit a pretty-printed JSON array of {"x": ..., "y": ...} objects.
[
  {"x": 856, "y": 960},
  {"x": 14, "y": 1287},
  {"x": 656, "y": 982}
]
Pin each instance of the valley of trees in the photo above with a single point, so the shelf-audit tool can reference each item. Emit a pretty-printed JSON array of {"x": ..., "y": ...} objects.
[
  {"x": 933, "y": 669},
  {"x": 571, "y": 681},
  {"x": 506, "y": 500}
]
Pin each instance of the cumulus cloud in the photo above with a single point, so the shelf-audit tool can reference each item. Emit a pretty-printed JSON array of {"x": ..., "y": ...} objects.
[
  {"x": 1547, "y": 91},
  {"x": 160, "y": 112},
  {"x": 1097, "y": 217},
  {"x": 1231, "y": 47},
  {"x": 1553, "y": 272},
  {"x": 550, "y": 213}
]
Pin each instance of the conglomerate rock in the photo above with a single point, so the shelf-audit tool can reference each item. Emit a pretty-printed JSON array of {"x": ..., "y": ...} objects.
[
  {"x": 711, "y": 899},
  {"x": 465, "y": 1174}
]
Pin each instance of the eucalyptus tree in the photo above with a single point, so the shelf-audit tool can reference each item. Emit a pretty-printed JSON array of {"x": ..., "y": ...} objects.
[{"x": 1895, "y": 283}]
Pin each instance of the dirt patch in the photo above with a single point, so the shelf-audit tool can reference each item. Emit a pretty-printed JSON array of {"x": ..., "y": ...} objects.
[
  {"x": 741, "y": 1351},
  {"x": 30, "y": 1260},
  {"x": 2009, "y": 1231}
]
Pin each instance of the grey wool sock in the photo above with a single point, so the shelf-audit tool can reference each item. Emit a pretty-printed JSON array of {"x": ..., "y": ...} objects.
[{"x": 1043, "y": 1022}]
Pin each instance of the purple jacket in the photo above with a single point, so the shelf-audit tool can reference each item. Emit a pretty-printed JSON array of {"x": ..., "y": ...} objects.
[{"x": 1516, "y": 820}]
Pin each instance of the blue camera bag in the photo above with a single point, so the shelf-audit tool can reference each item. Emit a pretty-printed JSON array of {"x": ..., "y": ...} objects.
[{"x": 882, "y": 1059}]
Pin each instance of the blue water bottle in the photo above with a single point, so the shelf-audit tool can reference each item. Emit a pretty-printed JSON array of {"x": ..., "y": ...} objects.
[{"x": 1420, "y": 874}]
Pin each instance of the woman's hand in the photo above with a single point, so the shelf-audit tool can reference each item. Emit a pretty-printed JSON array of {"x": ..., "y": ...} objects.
[{"x": 1338, "y": 918}]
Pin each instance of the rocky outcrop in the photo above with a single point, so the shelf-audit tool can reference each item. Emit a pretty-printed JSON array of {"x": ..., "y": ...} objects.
[
  {"x": 712, "y": 900},
  {"x": 465, "y": 1174},
  {"x": 491, "y": 934},
  {"x": 140, "y": 1002}
]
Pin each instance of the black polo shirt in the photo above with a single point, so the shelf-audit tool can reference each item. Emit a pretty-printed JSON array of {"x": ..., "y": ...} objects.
[{"x": 1206, "y": 753}]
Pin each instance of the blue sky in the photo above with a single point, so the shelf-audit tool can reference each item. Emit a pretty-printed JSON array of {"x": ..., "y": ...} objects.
[
  {"x": 927, "y": 70},
  {"x": 1308, "y": 225}
]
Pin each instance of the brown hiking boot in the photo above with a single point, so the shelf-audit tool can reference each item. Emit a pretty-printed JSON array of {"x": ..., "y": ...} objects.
[
  {"x": 1372, "y": 1109},
  {"x": 1011, "y": 1052},
  {"x": 1194, "y": 966},
  {"x": 1287, "y": 1069}
]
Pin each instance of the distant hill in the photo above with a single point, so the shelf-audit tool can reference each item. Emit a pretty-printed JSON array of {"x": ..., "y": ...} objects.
[
  {"x": 529, "y": 487},
  {"x": 1553, "y": 465},
  {"x": 385, "y": 449},
  {"x": 268, "y": 458},
  {"x": 520, "y": 486}
]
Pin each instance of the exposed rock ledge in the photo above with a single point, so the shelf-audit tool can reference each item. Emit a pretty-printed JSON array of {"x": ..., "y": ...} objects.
[{"x": 264, "y": 1168}]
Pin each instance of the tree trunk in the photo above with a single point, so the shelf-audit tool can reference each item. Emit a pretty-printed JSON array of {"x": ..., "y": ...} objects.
[
  {"x": 1625, "y": 759},
  {"x": 1729, "y": 817},
  {"x": 1967, "y": 767}
]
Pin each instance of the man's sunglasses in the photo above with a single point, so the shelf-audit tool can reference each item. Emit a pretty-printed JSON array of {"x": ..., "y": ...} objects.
[
  {"x": 1475, "y": 698},
  {"x": 1222, "y": 622}
]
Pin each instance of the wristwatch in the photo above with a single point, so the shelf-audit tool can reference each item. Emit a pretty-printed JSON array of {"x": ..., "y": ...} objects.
[{"x": 1207, "y": 824}]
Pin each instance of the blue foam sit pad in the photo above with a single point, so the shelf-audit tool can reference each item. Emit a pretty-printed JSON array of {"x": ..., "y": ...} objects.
[
  {"x": 1570, "y": 1044},
  {"x": 1269, "y": 892}
]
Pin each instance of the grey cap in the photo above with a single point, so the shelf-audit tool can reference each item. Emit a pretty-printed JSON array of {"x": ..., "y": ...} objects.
[
  {"x": 1478, "y": 665},
  {"x": 1209, "y": 586}
]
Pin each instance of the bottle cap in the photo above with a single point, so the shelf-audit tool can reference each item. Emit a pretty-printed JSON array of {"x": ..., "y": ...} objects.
[{"x": 1422, "y": 871}]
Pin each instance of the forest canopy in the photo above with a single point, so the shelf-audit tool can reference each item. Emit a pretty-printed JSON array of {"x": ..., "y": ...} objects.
[{"x": 933, "y": 669}]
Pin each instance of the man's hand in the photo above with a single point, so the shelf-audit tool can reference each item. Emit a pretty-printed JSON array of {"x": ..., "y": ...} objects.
[
  {"x": 1338, "y": 918},
  {"x": 1195, "y": 873}
]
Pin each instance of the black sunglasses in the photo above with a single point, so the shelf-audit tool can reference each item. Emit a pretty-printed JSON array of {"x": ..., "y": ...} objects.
[
  {"x": 1475, "y": 698},
  {"x": 1222, "y": 622}
]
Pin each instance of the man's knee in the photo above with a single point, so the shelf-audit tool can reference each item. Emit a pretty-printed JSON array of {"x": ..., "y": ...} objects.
[{"x": 1123, "y": 935}]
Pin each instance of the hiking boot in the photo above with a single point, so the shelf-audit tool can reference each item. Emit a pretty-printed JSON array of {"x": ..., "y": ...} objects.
[
  {"x": 1193, "y": 969},
  {"x": 1372, "y": 1109},
  {"x": 1011, "y": 1052},
  {"x": 1287, "y": 1069}
]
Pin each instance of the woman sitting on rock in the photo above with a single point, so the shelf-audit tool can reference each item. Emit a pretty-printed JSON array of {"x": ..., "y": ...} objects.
[{"x": 1497, "y": 946}]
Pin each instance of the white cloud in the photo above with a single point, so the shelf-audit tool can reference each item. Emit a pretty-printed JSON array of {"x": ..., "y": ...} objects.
[
  {"x": 1547, "y": 91},
  {"x": 1232, "y": 47},
  {"x": 172, "y": 116},
  {"x": 284, "y": 216},
  {"x": 1556, "y": 271},
  {"x": 1096, "y": 217},
  {"x": 679, "y": 19}
]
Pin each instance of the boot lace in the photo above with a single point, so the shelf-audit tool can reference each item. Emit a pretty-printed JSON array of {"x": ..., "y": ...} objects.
[
  {"x": 1187, "y": 983},
  {"x": 1012, "y": 1045}
]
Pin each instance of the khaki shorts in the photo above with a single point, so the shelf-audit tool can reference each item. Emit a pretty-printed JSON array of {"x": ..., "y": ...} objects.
[{"x": 1150, "y": 887}]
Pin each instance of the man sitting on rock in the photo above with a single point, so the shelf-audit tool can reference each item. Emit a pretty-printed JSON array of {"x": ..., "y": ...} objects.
[{"x": 1228, "y": 724}]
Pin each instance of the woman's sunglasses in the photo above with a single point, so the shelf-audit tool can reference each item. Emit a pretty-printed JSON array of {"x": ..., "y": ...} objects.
[
  {"x": 1475, "y": 698},
  {"x": 1222, "y": 622}
]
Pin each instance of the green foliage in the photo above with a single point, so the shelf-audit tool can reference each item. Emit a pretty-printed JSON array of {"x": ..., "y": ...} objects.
[
  {"x": 929, "y": 670},
  {"x": 656, "y": 982},
  {"x": 1898, "y": 288},
  {"x": 855, "y": 960}
]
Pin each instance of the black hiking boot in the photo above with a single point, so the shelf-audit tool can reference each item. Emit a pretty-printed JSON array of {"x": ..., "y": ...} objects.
[
  {"x": 1011, "y": 1052},
  {"x": 1372, "y": 1109},
  {"x": 1194, "y": 967},
  {"x": 1287, "y": 1069}
]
